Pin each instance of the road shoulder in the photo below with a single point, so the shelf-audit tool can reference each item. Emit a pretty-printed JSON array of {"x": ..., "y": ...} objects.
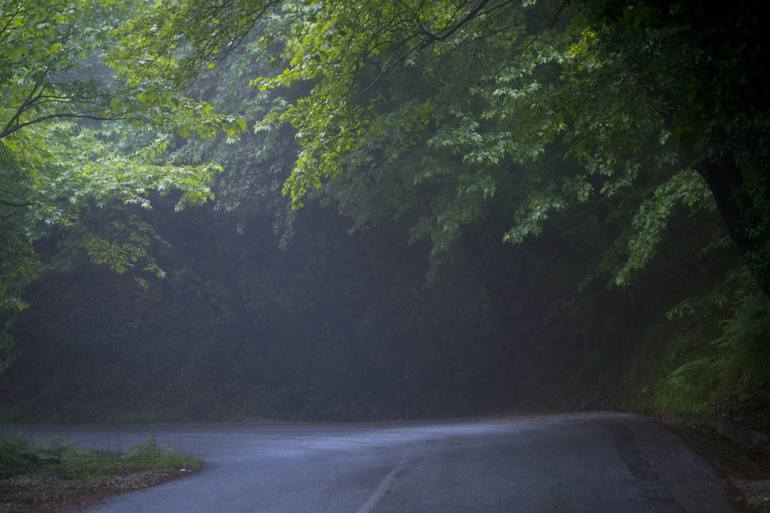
[{"x": 746, "y": 469}]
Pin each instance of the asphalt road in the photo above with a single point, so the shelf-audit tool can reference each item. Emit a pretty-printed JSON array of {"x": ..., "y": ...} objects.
[{"x": 602, "y": 462}]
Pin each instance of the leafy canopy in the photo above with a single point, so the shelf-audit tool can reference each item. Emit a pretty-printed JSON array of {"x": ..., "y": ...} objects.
[
  {"x": 93, "y": 104},
  {"x": 444, "y": 110}
]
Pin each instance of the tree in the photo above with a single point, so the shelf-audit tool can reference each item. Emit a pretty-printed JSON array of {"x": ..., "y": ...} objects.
[
  {"x": 434, "y": 108},
  {"x": 93, "y": 104},
  {"x": 441, "y": 112},
  {"x": 704, "y": 67}
]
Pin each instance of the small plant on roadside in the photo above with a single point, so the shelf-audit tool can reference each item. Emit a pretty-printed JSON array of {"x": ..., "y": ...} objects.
[
  {"x": 61, "y": 474},
  {"x": 151, "y": 456},
  {"x": 17, "y": 455},
  {"x": 86, "y": 468}
]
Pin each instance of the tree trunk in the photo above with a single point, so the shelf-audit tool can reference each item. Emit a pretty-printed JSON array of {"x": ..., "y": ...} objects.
[{"x": 743, "y": 219}]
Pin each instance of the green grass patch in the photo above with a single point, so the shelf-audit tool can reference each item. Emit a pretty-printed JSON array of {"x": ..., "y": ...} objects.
[{"x": 59, "y": 461}]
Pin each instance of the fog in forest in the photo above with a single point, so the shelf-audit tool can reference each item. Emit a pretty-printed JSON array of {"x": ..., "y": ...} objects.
[{"x": 382, "y": 211}]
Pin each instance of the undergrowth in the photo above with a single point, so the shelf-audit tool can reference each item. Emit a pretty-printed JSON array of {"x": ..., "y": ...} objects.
[
  {"x": 711, "y": 356},
  {"x": 20, "y": 456}
]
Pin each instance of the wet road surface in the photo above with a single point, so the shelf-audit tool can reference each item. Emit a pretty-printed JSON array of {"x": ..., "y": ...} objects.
[{"x": 599, "y": 462}]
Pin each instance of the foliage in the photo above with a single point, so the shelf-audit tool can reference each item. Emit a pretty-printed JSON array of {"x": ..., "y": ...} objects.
[
  {"x": 440, "y": 112},
  {"x": 540, "y": 113},
  {"x": 708, "y": 364},
  {"x": 595, "y": 123},
  {"x": 86, "y": 123},
  {"x": 19, "y": 455},
  {"x": 443, "y": 112},
  {"x": 257, "y": 162}
]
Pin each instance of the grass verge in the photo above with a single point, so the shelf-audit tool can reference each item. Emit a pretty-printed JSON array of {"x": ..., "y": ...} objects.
[{"x": 51, "y": 478}]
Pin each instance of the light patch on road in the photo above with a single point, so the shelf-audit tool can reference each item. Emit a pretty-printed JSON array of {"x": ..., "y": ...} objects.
[{"x": 379, "y": 493}]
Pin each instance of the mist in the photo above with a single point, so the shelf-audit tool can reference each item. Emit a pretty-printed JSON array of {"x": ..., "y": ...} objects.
[{"x": 362, "y": 235}]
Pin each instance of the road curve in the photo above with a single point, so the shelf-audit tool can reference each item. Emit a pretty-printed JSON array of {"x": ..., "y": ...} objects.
[{"x": 597, "y": 463}]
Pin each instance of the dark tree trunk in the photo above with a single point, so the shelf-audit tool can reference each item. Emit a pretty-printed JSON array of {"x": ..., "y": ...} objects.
[{"x": 737, "y": 206}]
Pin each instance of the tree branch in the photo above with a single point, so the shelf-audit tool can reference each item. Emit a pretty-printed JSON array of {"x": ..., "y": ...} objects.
[
  {"x": 34, "y": 94},
  {"x": 60, "y": 115},
  {"x": 14, "y": 204},
  {"x": 447, "y": 32}
]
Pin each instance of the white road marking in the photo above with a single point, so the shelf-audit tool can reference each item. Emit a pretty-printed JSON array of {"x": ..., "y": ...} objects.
[{"x": 382, "y": 488}]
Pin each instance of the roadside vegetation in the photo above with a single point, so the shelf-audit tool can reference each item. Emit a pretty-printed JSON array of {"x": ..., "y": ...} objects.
[
  {"x": 382, "y": 209},
  {"x": 43, "y": 478},
  {"x": 706, "y": 357}
]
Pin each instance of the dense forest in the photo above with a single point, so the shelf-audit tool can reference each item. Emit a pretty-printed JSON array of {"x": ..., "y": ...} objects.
[{"x": 382, "y": 209}]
